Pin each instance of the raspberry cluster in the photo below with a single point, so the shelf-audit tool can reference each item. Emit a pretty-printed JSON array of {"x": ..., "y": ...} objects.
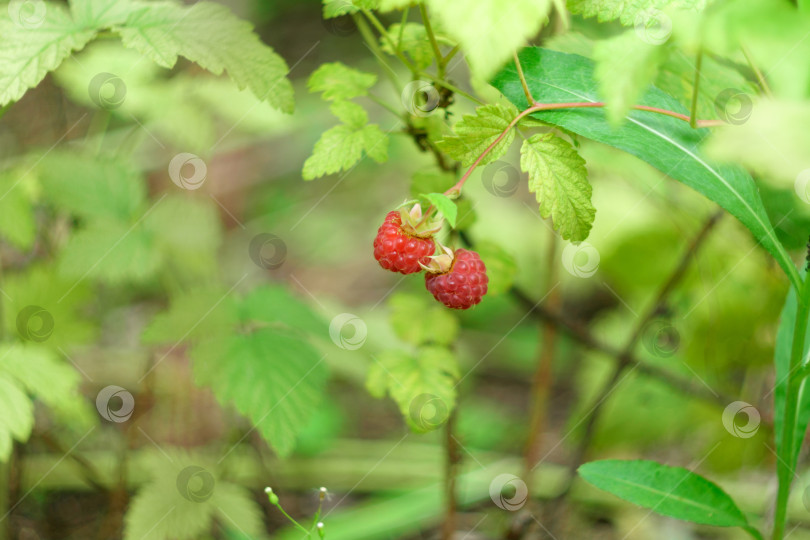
[{"x": 405, "y": 244}]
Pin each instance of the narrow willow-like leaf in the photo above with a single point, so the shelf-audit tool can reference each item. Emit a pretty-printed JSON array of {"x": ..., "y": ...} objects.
[{"x": 669, "y": 491}]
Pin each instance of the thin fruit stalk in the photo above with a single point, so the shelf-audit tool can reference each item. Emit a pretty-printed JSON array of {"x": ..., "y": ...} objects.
[{"x": 784, "y": 463}]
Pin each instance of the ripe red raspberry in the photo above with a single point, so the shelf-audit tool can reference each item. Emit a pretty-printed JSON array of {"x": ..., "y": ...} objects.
[
  {"x": 398, "y": 251},
  {"x": 463, "y": 285}
]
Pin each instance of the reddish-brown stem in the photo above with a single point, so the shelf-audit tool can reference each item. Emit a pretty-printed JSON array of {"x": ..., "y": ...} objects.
[{"x": 571, "y": 105}]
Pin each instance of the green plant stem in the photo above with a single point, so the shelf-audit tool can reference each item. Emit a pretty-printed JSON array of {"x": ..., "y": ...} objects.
[
  {"x": 385, "y": 105},
  {"x": 760, "y": 77},
  {"x": 440, "y": 61},
  {"x": 452, "y": 464},
  {"x": 402, "y": 23},
  {"x": 695, "y": 90},
  {"x": 375, "y": 22},
  {"x": 445, "y": 84},
  {"x": 541, "y": 383},
  {"x": 529, "y": 98},
  {"x": 451, "y": 54},
  {"x": 368, "y": 37},
  {"x": 5, "y": 108},
  {"x": 784, "y": 472},
  {"x": 572, "y": 105}
]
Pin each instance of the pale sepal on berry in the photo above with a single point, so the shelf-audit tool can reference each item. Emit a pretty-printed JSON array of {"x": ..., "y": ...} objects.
[
  {"x": 440, "y": 263},
  {"x": 415, "y": 223}
]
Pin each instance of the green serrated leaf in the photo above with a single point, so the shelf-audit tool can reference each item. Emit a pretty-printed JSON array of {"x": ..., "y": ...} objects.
[
  {"x": 16, "y": 415},
  {"x": 419, "y": 321},
  {"x": 349, "y": 113},
  {"x": 669, "y": 491},
  {"x": 336, "y": 8},
  {"x": 666, "y": 143},
  {"x": 111, "y": 252},
  {"x": 273, "y": 378},
  {"x": 628, "y": 12},
  {"x": 275, "y": 305},
  {"x": 559, "y": 180},
  {"x": 445, "y": 205},
  {"x": 91, "y": 187},
  {"x": 474, "y": 133},
  {"x": 192, "y": 316},
  {"x": 183, "y": 499},
  {"x": 501, "y": 267},
  {"x": 487, "y": 30},
  {"x": 34, "y": 44},
  {"x": 211, "y": 36},
  {"x": 101, "y": 13},
  {"x": 625, "y": 66},
  {"x": 338, "y": 81},
  {"x": 422, "y": 384},
  {"x": 342, "y": 146},
  {"x": 64, "y": 302}
]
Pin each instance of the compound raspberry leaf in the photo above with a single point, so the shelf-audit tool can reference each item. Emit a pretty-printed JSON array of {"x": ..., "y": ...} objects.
[
  {"x": 30, "y": 48},
  {"x": 559, "y": 180},
  {"x": 338, "y": 81},
  {"x": 474, "y": 133},
  {"x": 419, "y": 321},
  {"x": 340, "y": 148},
  {"x": 423, "y": 384},
  {"x": 211, "y": 36},
  {"x": 271, "y": 376},
  {"x": 183, "y": 498}
]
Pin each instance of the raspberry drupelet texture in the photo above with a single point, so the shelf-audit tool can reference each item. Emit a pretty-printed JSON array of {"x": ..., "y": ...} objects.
[
  {"x": 398, "y": 251},
  {"x": 463, "y": 285}
]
